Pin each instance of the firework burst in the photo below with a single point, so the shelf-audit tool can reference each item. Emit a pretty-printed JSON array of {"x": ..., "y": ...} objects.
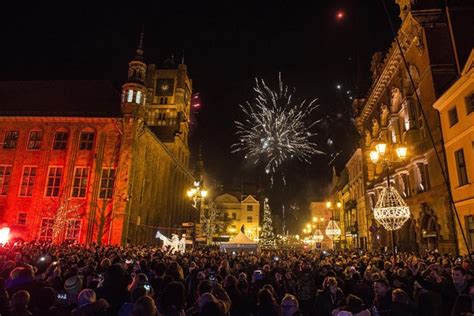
[{"x": 275, "y": 128}]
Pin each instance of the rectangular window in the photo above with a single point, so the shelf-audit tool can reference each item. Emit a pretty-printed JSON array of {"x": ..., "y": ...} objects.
[
  {"x": 424, "y": 184},
  {"x": 461, "y": 167},
  {"x": 73, "y": 229},
  {"x": 34, "y": 140},
  {"x": 28, "y": 181},
  {"x": 249, "y": 208},
  {"x": 470, "y": 103},
  {"x": 54, "y": 181},
  {"x": 22, "y": 218},
  {"x": 5, "y": 174},
  {"x": 249, "y": 219},
  {"x": 107, "y": 183},
  {"x": 79, "y": 184},
  {"x": 86, "y": 141},
  {"x": 60, "y": 140},
  {"x": 46, "y": 229},
  {"x": 453, "y": 116},
  {"x": 406, "y": 184},
  {"x": 10, "y": 140},
  {"x": 234, "y": 215}
]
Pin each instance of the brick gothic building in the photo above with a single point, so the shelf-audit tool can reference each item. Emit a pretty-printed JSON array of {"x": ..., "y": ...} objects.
[
  {"x": 390, "y": 113},
  {"x": 121, "y": 160}
]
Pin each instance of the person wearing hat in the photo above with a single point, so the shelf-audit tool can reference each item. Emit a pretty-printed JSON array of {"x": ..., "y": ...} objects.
[
  {"x": 72, "y": 286},
  {"x": 88, "y": 305}
]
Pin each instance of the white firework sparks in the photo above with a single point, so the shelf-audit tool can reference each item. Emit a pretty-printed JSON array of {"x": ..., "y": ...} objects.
[{"x": 275, "y": 129}]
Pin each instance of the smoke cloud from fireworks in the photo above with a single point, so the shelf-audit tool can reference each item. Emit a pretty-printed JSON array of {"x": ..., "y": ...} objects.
[{"x": 275, "y": 128}]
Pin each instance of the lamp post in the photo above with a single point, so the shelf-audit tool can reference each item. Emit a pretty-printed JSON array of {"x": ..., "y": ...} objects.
[
  {"x": 390, "y": 210},
  {"x": 197, "y": 194}
]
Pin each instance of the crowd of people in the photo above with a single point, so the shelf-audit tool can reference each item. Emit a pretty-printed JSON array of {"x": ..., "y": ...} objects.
[{"x": 47, "y": 279}]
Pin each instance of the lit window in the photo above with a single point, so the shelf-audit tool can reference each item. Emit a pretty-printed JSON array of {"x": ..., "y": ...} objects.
[
  {"x": 139, "y": 97},
  {"x": 79, "y": 184},
  {"x": 60, "y": 140},
  {"x": 461, "y": 167},
  {"x": 28, "y": 181},
  {"x": 130, "y": 96},
  {"x": 22, "y": 218},
  {"x": 5, "y": 174},
  {"x": 107, "y": 183},
  {"x": 10, "y": 140},
  {"x": 46, "y": 229},
  {"x": 34, "y": 141},
  {"x": 453, "y": 116},
  {"x": 53, "y": 183},
  {"x": 73, "y": 229},
  {"x": 86, "y": 141}
]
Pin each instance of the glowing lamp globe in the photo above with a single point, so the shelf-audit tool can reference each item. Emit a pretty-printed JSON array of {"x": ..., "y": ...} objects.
[
  {"x": 318, "y": 236},
  {"x": 333, "y": 229},
  {"x": 4, "y": 235},
  {"x": 391, "y": 211}
]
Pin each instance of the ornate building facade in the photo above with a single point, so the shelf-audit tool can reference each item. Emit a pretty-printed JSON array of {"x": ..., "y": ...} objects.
[
  {"x": 390, "y": 113},
  {"x": 116, "y": 166}
]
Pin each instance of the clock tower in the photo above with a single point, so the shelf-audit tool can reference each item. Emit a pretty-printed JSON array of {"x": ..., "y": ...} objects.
[{"x": 168, "y": 105}]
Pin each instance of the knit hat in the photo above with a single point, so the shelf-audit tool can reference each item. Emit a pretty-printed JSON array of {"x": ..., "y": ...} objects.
[
  {"x": 73, "y": 285},
  {"x": 86, "y": 296}
]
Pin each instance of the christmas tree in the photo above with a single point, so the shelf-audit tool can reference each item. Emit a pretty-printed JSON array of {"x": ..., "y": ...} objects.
[{"x": 267, "y": 237}]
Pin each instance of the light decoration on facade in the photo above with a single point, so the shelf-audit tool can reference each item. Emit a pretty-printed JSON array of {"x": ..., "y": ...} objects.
[
  {"x": 333, "y": 229},
  {"x": 391, "y": 211},
  {"x": 318, "y": 236},
  {"x": 4, "y": 235}
]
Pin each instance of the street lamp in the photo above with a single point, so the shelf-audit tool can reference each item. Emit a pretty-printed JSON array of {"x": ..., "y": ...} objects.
[
  {"x": 197, "y": 194},
  {"x": 390, "y": 211}
]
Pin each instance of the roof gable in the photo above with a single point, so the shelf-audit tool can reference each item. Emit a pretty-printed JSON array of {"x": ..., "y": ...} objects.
[
  {"x": 226, "y": 198},
  {"x": 250, "y": 199}
]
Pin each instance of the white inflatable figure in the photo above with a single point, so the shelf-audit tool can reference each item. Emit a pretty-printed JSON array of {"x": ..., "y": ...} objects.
[
  {"x": 182, "y": 244},
  {"x": 166, "y": 241},
  {"x": 174, "y": 243}
]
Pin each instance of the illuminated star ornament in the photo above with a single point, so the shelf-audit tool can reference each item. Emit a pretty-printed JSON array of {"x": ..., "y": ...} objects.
[{"x": 276, "y": 129}]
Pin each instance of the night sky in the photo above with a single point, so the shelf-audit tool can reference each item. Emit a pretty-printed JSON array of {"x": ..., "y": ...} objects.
[{"x": 226, "y": 44}]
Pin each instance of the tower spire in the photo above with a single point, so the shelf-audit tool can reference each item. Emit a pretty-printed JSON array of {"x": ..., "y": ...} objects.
[{"x": 139, "y": 55}]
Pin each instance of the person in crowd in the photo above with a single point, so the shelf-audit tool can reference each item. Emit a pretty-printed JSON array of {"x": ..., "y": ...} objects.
[
  {"x": 267, "y": 305},
  {"x": 145, "y": 306},
  {"x": 329, "y": 298},
  {"x": 20, "y": 301},
  {"x": 289, "y": 306},
  {"x": 88, "y": 305}
]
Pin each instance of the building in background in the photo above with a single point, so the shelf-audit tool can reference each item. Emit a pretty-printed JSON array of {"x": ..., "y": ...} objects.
[
  {"x": 121, "y": 160},
  {"x": 357, "y": 216},
  {"x": 456, "y": 108},
  {"x": 390, "y": 113},
  {"x": 320, "y": 217},
  {"x": 238, "y": 212}
]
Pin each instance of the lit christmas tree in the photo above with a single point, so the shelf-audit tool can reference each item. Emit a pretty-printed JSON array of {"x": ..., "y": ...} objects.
[{"x": 267, "y": 237}]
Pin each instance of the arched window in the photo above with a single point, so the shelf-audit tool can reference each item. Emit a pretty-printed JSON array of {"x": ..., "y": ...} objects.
[
  {"x": 60, "y": 139},
  {"x": 139, "y": 97},
  {"x": 34, "y": 139},
  {"x": 130, "y": 96},
  {"x": 86, "y": 139}
]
